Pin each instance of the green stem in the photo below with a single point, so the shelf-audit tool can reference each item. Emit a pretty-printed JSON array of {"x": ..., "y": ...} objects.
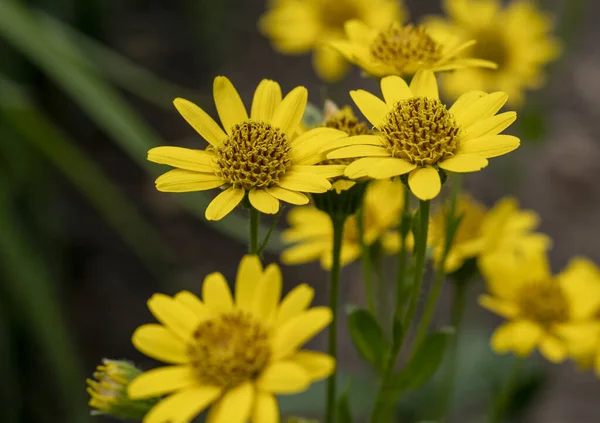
[
  {"x": 498, "y": 411},
  {"x": 401, "y": 276},
  {"x": 334, "y": 297},
  {"x": 265, "y": 242},
  {"x": 381, "y": 412},
  {"x": 365, "y": 261},
  {"x": 254, "y": 221},
  {"x": 456, "y": 317}
]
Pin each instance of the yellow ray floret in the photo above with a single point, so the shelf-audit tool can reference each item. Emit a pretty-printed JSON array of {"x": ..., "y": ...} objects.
[
  {"x": 418, "y": 135},
  {"x": 232, "y": 352},
  {"x": 403, "y": 50},
  {"x": 254, "y": 155}
]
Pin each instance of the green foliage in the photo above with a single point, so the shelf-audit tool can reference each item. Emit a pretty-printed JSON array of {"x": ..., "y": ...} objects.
[
  {"x": 368, "y": 337},
  {"x": 344, "y": 414}
]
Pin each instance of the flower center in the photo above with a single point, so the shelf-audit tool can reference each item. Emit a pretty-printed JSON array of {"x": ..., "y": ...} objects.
[
  {"x": 229, "y": 350},
  {"x": 255, "y": 155},
  {"x": 401, "y": 46},
  {"x": 544, "y": 303},
  {"x": 345, "y": 120},
  {"x": 420, "y": 130},
  {"x": 491, "y": 46}
]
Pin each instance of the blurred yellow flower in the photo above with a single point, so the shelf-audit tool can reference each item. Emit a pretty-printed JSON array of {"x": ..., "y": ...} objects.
[
  {"x": 233, "y": 353},
  {"x": 517, "y": 37},
  {"x": 505, "y": 229},
  {"x": 402, "y": 50},
  {"x": 311, "y": 229},
  {"x": 254, "y": 156},
  {"x": 299, "y": 26},
  {"x": 539, "y": 307},
  {"x": 418, "y": 134}
]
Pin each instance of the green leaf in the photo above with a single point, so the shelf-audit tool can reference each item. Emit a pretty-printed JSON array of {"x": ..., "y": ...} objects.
[
  {"x": 344, "y": 415},
  {"x": 423, "y": 363},
  {"x": 368, "y": 337},
  {"x": 397, "y": 328}
]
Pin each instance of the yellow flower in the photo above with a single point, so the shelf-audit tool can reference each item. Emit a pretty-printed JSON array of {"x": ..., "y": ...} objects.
[
  {"x": 402, "y": 50},
  {"x": 233, "y": 353},
  {"x": 254, "y": 156},
  {"x": 517, "y": 37},
  {"x": 312, "y": 231},
  {"x": 505, "y": 229},
  {"x": 418, "y": 134},
  {"x": 540, "y": 307},
  {"x": 299, "y": 26}
]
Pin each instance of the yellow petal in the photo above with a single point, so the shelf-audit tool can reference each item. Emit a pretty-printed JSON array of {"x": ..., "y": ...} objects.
[
  {"x": 159, "y": 343},
  {"x": 268, "y": 293},
  {"x": 501, "y": 307},
  {"x": 235, "y": 406},
  {"x": 192, "y": 302},
  {"x": 183, "y": 158},
  {"x": 229, "y": 105},
  {"x": 482, "y": 108},
  {"x": 394, "y": 89},
  {"x": 160, "y": 381},
  {"x": 247, "y": 278},
  {"x": 355, "y": 140},
  {"x": 216, "y": 293},
  {"x": 327, "y": 171},
  {"x": 372, "y": 107},
  {"x": 520, "y": 336},
  {"x": 361, "y": 167},
  {"x": 425, "y": 183},
  {"x": 580, "y": 281},
  {"x": 358, "y": 31},
  {"x": 553, "y": 349},
  {"x": 294, "y": 303},
  {"x": 288, "y": 115},
  {"x": 224, "y": 203},
  {"x": 262, "y": 201},
  {"x": 490, "y": 146},
  {"x": 464, "y": 101},
  {"x": 304, "y": 182},
  {"x": 329, "y": 64},
  {"x": 292, "y": 197},
  {"x": 179, "y": 180},
  {"x": 424, "y": 84},
  {"x": 309, "y": 148},
  {"x": 490, "y": 126},
  {"x": 173, "y": 315},
  {"x": 298, "y": 330},
  {"x": 359, "y": 151},
  {"x": 318, "y": 365},
  {"x": 183, "y": 406},
  {"x": 266, "y": 409},
  {"x": 267, "y": 98},
  {"x": 200, "y": 121},
  {"x": 462, "y": 163},
  {"x": 390, "y": 167},
  {"x": 283, "y": 377},
  {"x": 305, "y": 252}
]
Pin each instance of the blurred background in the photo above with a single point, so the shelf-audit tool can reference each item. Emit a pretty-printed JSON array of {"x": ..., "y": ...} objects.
[{"x": 86, "y": 89}]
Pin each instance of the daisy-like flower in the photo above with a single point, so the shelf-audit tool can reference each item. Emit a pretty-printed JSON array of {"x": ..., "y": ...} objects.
[
  {"x": 517, "y": 37},
  {"x": 418, "y": 135},
  {"x": 539, "y": 307},
  {"x": 254, "y": 155},
  {"x": 402, "y": 50},
  {"x": 232, "y": 353},
  {"x": 505, "y": 229},
  {"x": 300, "y": 26},
  {"x": 311, "y": 229}
]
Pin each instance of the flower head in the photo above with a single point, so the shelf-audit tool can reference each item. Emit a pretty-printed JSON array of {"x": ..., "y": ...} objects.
[
  {"x": 299, "y": 26},
  {"x": 108, "y": 391},
  {"x": 402, "y": 50},
  {"x": 311, "y": 229},
  {"x": 540, "y": 307},
  {"x": 505, "y": 229},
  {"x": 517, "y": 37},
  {"x": 418, "y": 135},
  {"x": 232, "y": 353},
  {"x": 254, "y": 155}
]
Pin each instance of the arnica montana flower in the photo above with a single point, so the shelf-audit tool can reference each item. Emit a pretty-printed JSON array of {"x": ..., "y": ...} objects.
[
  {"x": 418, "y": 135},
  {"x": 311, "y": 229},
  {"x": 539, "y": 307},
  {"x": 299, "y": 26},
  {"x": 505, "y": 229},
  {"x": 517, "y": 37},
  {"x": 254, "y": 155},
  {"x": 232, "y": 353},
  {"x": 402, "y": 50}
]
